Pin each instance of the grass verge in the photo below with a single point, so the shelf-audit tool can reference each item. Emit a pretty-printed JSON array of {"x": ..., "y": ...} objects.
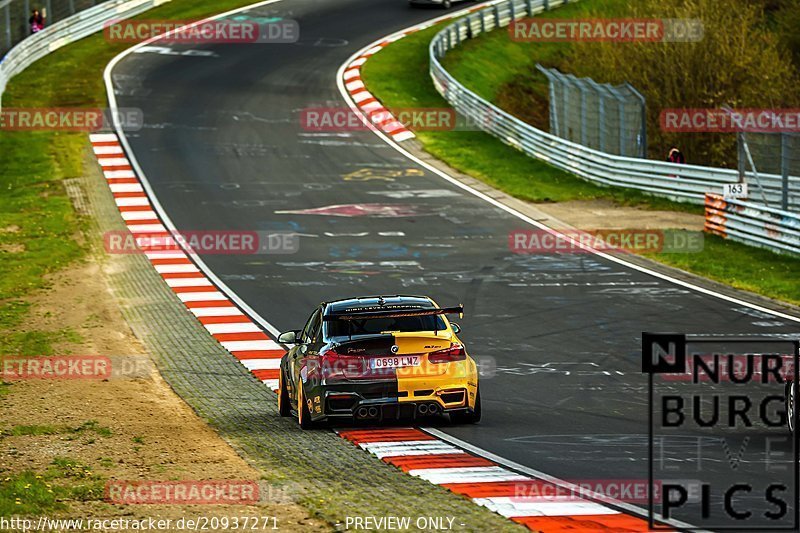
[
  {"x": 30, "y": 493},
  {"x": 40, "y": 232},
  {"x": 398, "y": 76}
]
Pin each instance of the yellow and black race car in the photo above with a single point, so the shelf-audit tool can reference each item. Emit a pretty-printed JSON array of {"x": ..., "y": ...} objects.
[{"x": 378, "y": 358}]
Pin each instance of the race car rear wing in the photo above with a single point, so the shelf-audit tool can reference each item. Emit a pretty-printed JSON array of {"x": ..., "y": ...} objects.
[{"x": 393, "y": 312}]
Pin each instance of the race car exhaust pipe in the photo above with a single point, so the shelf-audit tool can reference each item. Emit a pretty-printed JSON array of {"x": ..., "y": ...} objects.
[
  {"x": 422, "y": 409},
  {"x": 373, "y": 412},
  {"x": 362, "y": 412},
  {"x": 433, "y": 409}
]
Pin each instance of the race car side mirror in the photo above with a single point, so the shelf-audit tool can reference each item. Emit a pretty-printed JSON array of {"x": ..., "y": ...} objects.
[
  {"x": 456, "y": 328},
  {"x": 288, "y": 337}
]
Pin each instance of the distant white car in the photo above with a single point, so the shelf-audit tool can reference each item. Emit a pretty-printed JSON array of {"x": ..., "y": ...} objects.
[{"x": 444, "y": 3}]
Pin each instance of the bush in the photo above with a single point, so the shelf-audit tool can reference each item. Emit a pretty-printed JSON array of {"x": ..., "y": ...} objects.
[{"x": 739, "y": 62}]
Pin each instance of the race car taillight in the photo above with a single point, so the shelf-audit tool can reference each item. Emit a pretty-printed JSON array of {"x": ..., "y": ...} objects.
[
  {"x": 455, "y": 352},
  {"x": 336, "y": 366}
]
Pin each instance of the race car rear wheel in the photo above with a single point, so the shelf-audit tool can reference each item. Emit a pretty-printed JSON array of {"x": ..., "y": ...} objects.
[
  {"x": 790, "y": 416},
  {"x": 303, "y": 414},
  {"x": 284, "y": 406},
  {"x": 469, "y": 417}
]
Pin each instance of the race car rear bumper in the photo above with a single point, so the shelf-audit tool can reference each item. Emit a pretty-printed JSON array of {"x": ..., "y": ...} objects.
[{"x": 382, "y": 401}]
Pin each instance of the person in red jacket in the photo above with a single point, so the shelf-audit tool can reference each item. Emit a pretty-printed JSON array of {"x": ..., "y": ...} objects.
[
  {"x": 675, "y": 156},
  {"x": 36, "y": 21}
]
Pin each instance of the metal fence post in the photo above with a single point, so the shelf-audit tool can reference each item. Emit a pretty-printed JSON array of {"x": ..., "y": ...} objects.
[
  {"x": 26, "y": 13},
  {"x": 512, "y": 11},
  {"x": 7, "y": 19},
  {"x": 643, "y": 129},
  {"x": 622, "y": 122},
  {"x": 601, "y": 131},
  {"x": 547, "y": 5},
  {"x": 49, "y": 20},
  {"x": 785, "y": 170},
  {"x": 496, "y": 10},
  {"x": 584, "y": 105},
  {"x": 741, "y": 157},
  {"x": 483, "y": 21},
  {"x": 529, "y": 7}
]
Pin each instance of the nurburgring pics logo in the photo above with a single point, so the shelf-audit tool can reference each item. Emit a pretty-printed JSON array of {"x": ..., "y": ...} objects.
[
  {"x": 737, "y": 394},
  {"x": 621, "y": 30}
]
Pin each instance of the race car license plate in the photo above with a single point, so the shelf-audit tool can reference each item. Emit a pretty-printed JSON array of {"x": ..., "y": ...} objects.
[{"x": 395, "y": 362}]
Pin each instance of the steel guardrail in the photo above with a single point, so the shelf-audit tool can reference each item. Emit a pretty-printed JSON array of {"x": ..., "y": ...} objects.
[
  {"x": 68, "y": 30},
  {"x": 686, "y": 183},
  {"x": 752, "y": 224}
]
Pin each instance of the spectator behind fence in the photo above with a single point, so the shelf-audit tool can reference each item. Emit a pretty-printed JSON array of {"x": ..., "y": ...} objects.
[
  {"x": 675, "y": 156},
  {"x": 36, "y": 21}
]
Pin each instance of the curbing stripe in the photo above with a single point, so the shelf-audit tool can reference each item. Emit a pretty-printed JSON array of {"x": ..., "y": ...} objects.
[
  {"x": 355, "y": 86},
  {"x": 237, "y": 332}
]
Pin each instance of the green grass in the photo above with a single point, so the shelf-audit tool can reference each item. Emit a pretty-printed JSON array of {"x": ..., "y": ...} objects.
[
  {"x": 33, "y": 430},
  {"x": 398, "y": 76},
  {"x": 38, "y": 225},
  {"x": 475, "y": 62},
  {"x": 17, "y": 431},
  {"x": 30, "y": 494}
]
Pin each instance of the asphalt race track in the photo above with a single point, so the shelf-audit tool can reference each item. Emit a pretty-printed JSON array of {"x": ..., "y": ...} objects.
[{"x": 224, "y": 149}]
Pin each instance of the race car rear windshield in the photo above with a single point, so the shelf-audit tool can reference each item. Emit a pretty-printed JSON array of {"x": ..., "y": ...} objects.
[{"x": 371, "y": 326}]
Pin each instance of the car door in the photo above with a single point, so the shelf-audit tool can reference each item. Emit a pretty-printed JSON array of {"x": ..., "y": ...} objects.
[{"x": 301, "y": 350}]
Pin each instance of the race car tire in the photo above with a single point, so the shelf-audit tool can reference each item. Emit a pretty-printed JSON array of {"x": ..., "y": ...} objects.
[
  {"x": 468, "y": 417},
  {"x": 303, "y": 414},
  {"x": 284, "y": 405},
  {"x": 790, "y": 416}
]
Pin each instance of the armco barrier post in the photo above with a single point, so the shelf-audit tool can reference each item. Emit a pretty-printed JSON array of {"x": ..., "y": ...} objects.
[
  {"x": 496, "y": 9},
  {"x": 512, "y": 10},
  {"x": 529, "y": 7}
]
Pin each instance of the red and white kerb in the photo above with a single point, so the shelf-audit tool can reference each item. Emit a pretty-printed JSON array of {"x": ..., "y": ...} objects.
[
  {"x": 370, "y": 105},
  {"x": 234, "y": 330},
  {"x": 519, "y": 497}
]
